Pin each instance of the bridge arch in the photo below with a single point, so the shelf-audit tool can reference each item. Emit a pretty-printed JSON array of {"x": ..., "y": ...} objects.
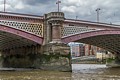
[
  {"x": 107, "y": 39},
  {"x": 13, "y": 34}
]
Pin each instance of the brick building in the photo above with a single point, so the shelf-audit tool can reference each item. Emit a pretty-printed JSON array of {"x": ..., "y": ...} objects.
[{"x": 80, "y": 49}]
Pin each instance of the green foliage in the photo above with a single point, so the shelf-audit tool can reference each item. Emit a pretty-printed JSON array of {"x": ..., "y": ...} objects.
[
  {"x": 47, "y": 58},
  {"x": 18, "y": 61},
  {"x": 109, "y": 60},
  {"x": 67, "y": 56},
  {"x": 31, "y": 60}
]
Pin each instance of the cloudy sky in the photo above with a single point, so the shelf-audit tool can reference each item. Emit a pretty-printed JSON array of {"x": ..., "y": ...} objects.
[{"x": 84, "y": 9}]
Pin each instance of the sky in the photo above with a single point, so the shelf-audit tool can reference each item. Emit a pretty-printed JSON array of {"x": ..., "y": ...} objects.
[{"x": 84, "y": 9}]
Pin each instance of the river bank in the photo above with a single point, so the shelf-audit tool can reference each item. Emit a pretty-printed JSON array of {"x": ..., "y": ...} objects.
[{"x": 90, "y": 61}]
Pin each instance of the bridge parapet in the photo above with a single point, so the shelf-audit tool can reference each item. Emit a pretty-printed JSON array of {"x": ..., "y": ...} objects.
[
  {"x": 34, "y": 28},
  {"x": 71, "y": 30}
]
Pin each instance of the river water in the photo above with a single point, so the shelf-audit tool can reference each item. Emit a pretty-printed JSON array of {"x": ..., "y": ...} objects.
[{"x": 80, "y": 72}]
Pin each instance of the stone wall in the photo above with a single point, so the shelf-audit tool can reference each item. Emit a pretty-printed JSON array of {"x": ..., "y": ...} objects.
[{"x": 52, "y": 57}]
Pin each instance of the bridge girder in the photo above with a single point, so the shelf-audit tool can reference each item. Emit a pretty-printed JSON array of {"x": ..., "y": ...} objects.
[
  {"x": 106, "y": 39},
  {"x": 14, "y": 38}
]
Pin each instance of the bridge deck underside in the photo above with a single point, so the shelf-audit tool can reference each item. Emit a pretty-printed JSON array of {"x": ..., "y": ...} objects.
[
  {"x": 108, "y": 42},
  {"x": 9, "y": 41}
]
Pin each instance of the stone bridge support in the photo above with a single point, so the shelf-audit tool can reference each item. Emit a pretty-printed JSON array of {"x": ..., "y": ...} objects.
[{"x": 56, "y": 54}]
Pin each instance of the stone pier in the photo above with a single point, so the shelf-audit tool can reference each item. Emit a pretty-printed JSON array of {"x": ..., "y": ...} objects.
[{"x": 57, "y": 54}]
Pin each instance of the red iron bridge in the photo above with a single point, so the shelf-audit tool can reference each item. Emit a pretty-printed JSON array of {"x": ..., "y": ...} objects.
[{"x": 23, "y": 34}]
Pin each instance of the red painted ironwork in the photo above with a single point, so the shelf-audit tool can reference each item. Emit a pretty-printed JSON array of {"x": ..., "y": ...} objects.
[
  {"x": 29, "y": 36},
  {"x": 76, "y": 37}
]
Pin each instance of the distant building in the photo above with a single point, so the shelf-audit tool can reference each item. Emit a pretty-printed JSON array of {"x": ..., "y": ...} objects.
[
  {"x": 77, "y": 49},
  {"x": 87, "y": 49},
  {"x": 103, "y": 54},
  {"x": 90, "y": 50},
  {"x": 80, "y": 49}
]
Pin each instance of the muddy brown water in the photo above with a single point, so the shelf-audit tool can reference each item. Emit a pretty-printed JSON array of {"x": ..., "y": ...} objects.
[{"x": 80, "y": 72}]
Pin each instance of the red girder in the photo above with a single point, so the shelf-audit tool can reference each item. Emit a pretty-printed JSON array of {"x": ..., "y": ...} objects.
[
  {"x": 26, "y": 35},
  {"x": 76, "y": 37}
]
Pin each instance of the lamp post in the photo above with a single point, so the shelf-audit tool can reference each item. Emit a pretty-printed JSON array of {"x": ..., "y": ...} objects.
[
  {"x": 76, "y": 17},
  {"x": 58, "y": 2},
  {"x": 4, "y": 5},
  {"x": 97, "y": 10}
]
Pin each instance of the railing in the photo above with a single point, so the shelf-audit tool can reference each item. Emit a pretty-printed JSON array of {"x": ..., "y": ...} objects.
[
  {"x": 71, "y": 30},
  {"x": 34, "y": 28}
]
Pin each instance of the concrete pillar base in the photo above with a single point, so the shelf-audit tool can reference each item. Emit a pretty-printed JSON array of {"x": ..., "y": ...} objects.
[{"x": 58, "y": 55}]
